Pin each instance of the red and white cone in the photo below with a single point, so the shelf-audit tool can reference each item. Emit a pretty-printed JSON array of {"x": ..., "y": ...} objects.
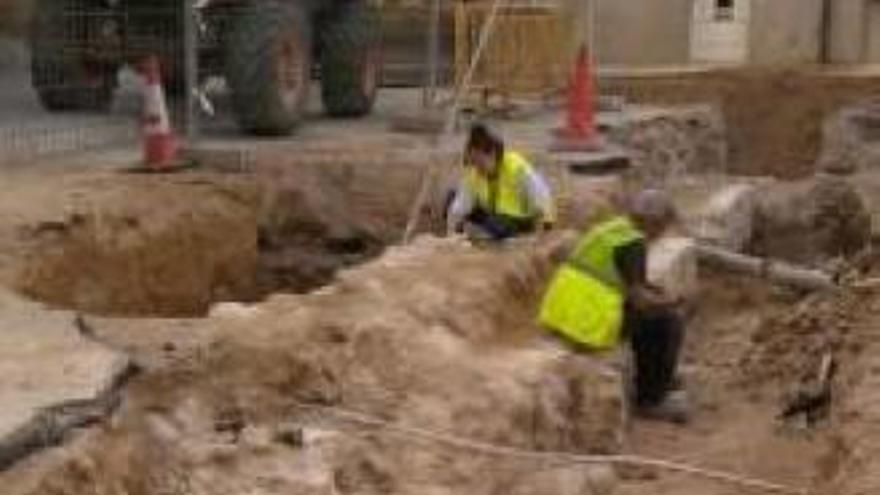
[
  {"x": 160, "y": 144},
  {"x": 580, "y": 132}
]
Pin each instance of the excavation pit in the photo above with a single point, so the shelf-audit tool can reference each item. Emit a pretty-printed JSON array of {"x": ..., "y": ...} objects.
[
  {"x": 122, "y": 245},
  {"x": 436, "y": 335}
]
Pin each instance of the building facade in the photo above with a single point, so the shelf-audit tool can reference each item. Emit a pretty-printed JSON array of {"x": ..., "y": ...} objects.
[{"x": 737, "y": 32}]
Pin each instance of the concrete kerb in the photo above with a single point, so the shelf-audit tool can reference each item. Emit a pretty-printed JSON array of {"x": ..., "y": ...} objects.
[{"x": 80, "y": 380}]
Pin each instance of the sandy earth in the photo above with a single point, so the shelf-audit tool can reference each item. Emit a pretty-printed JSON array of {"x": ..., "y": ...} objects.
[
  {"x": 736, "y": 403},
  {"x": 437, "y": 335}
]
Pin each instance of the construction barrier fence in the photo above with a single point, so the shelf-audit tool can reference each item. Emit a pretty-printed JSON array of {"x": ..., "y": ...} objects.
[
  {"x": 69, "y": 69},
  {"x": 69, "y": 80}
]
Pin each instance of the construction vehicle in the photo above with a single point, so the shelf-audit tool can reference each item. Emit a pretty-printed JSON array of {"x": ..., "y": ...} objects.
[{"x": 266, "y": 50}]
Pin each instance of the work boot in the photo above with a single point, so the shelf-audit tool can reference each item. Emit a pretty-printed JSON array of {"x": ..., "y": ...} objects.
[{"x": 674, "y": 409}]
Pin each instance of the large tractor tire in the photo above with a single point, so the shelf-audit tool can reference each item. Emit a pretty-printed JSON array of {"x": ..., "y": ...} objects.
[
  {"x": 350, "y": 60},
  {"x": 268, "y": 67},
  {"x": 157, "y": 28},
  {"x": 62, "y": 72}
]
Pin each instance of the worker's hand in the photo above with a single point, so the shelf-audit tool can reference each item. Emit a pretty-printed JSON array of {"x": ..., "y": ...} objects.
[
  {"x": 651, "y": 298},
  {"x": 664, "y": 297}
]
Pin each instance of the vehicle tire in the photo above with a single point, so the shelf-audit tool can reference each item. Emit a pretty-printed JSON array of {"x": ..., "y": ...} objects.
[
  {"x": 156, "y": 28},
  {"x": 350, "y": 60},
  {"x": 268, "y": 67},
  {"x": 63, "y": 76}
]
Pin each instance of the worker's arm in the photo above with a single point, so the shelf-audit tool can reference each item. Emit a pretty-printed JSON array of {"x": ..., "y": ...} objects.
[
  {"x": 459, "y": 208},
  {"x": 540, "y": 197},
  {"x": 631, "y": 261}
]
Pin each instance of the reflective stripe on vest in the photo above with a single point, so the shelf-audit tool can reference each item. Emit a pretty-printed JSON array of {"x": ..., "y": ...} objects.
[
  {"x": 584, "y": 301},
  {"x": 504, "y": 194}
]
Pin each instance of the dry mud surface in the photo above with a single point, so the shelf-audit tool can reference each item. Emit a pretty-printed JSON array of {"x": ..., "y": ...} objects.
[
  {"x": 464, "y": 358},
  {"x": 437, "y": 335},
  {"x": 384, "y": 340}
]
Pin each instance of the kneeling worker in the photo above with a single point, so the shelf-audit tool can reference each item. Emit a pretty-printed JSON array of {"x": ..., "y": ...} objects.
[
  {"x": 601, "y": 295},
  {"x": 500, "y": 195}
]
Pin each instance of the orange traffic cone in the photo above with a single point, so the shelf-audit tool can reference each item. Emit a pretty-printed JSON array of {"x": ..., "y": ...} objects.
[
  {"x": 160, "y": 144},
  {"x": 580, "y": 132}
]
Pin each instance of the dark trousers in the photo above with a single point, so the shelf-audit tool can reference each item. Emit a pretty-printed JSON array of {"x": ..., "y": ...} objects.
[
  {"x": 498, "y": 227},
  {"x": 656, "y": 340}
]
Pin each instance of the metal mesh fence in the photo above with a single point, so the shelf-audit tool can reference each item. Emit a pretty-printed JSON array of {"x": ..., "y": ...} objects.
[
  {"x": 405, "y": 32},
  {"x": 69, "y": 80}
]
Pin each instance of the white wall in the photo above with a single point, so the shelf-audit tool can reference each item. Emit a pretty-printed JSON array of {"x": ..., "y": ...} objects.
[
  {"x": 643, "y": 32},
  {"x": 720, "y": 41},
  {"x": 872, "y": 43},
  {"x": 785, "y": 32}
]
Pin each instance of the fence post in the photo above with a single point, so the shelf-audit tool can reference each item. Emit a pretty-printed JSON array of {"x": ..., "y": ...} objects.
[
  {"x": 191, "y": 69},
  {"x": 433, "y": 55}
]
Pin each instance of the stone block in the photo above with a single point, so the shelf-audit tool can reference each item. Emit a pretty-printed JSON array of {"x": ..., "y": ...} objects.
[
  {"x": 232, "y": 310},
  {"x": 582, "y": 199},
  {"x": 728, "y": 217},
  {"x": 672, "y": 264}
]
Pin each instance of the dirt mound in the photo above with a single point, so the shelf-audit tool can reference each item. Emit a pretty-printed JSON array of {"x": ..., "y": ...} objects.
[
  {"x": 791, "y": 341},
  {"x": 811, "y": 221},
  {"x": 789, "y": 347},
  {"x": 431, "y": 335},
  {"x": 773, "y": 118}
]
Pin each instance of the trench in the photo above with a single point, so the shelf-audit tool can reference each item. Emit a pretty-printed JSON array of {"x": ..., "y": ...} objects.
[
  {"x": 462, "y": 359},
  {"x": 435, "y": 334},
  {"x": 174, "y": 246}
]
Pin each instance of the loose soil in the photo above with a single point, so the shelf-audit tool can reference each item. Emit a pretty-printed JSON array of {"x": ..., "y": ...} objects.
[
  {"x": 403, "y": 347},
  {"x": 112, "y": 243},
  {"x": 386, "y": 340},
  {"x": 438, "y": 334}
]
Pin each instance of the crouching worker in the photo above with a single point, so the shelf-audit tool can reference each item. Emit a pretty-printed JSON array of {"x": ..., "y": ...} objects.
[
  {"x": 500, "y": 194},
  {"x": 600, "y": 296}
]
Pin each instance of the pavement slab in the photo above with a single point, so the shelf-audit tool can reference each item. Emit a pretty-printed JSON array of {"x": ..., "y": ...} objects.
[{"x": 55, "y": 378}]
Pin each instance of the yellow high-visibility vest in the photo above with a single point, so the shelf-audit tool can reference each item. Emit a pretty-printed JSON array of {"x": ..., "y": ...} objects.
[
  {"x": 584, "y": 301},
  {"x": 503, "y": 195}
]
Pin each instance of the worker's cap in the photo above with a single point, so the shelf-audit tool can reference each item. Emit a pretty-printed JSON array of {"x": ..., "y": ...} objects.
[{"x": 652, "y": 204}]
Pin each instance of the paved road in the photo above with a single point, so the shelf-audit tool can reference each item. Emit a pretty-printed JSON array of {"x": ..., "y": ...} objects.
[{"x": 28, "y": 132}]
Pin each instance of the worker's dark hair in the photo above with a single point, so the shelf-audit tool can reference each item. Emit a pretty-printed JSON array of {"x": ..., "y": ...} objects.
[{"x": 481, "y": 138}]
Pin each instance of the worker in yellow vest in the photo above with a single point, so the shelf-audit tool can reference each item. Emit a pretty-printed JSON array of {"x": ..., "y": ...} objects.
[
  {"x": 600, "y": 295},
  {"x": 500, "y": 194}
]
